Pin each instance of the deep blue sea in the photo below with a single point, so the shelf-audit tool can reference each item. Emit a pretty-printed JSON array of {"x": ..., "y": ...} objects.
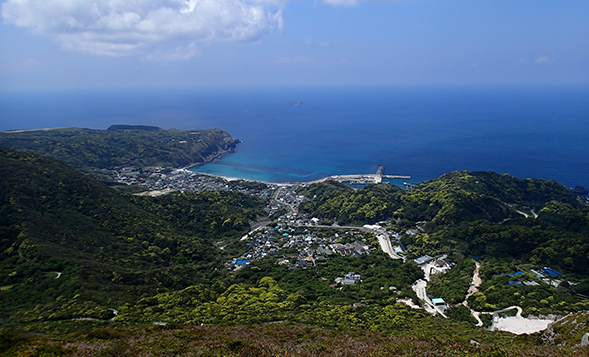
[{"x": 421, "y": 132}]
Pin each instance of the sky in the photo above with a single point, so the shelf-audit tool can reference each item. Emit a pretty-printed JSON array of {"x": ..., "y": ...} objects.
[{"x": 55, "y": 44}]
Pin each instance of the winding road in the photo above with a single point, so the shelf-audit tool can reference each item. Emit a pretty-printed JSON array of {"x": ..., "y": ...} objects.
[
  {"x": 54, "y": 272},
  {"x": 114, "y": 312}
]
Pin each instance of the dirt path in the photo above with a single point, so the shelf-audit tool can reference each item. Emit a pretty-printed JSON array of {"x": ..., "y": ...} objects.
[
  {"x": 114, "y": 312},
  {"x": 474, "y": 288},
  {"x": 58, "y": 274},
  {"x": 476, "y": 282}
]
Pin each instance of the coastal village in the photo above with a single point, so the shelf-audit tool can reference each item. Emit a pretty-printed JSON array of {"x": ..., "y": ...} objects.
[
  {"x": 302, "y": 242},
  {"x": 299, "y": 241},
  {"x": 299, "y": 247},
  {"x": 158, "y": 180}
]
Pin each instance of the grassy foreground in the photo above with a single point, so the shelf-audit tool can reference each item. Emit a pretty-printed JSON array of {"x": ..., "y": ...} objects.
[{"x": 281, "y": 339}]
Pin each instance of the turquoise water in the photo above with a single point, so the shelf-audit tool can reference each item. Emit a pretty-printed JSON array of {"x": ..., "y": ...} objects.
[{"x": 421, "y": 132}]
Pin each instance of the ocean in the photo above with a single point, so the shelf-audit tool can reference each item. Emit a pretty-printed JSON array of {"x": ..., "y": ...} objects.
[{"x": 420, "y": 132}]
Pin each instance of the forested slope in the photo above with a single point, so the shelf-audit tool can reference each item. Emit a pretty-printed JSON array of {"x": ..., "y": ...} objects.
[
  {"x": 122, "y": 146},
  {"x": 452, "y": 198},
  {"x": 72, "y": 248},
  {"x": 110, "y": 248}
]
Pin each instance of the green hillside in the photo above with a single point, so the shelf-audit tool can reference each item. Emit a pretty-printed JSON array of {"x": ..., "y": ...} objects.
[
  {"x": 122, "y": 145},
  {"x": 452, "y": 198},
  {"x": 462, "y": 196},
  {"x": 510, "y": 224},
  {"x": 109, "y": 248},
  {"x": 93, "y": 269}
]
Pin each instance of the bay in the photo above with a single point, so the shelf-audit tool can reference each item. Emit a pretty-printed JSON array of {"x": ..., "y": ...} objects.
[{"x": 421, "y": 132}]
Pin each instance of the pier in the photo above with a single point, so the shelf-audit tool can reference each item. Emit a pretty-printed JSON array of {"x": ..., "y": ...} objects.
[{"x": 363, "y": 179}]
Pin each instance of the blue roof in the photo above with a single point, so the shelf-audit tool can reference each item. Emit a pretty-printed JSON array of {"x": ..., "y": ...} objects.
[
  {"x": 551, "y": 272},
  {"x": 512, "y": 274}
]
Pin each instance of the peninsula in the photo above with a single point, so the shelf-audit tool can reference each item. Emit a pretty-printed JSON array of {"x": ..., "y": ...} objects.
[{"x": 122, "y": 146}]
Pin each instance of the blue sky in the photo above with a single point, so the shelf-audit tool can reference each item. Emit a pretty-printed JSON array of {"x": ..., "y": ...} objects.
[{"x": 216, "y": 43}]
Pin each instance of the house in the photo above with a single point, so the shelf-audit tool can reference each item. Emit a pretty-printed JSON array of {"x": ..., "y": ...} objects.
[
  {"x": 439, "y": 263},
  {"x": 449, "y": 262},
  {"x": 301, "y": 264},
  {"x": 361, "y": 247},
  {"x": 440, "y": 266},
  {"x": 538, "y": 274},
  {"x": 353, "y": 277},
  {"x": 423, "y": 260},
  {"x": 440, "y": 304},
  {"x": 324, "y": 250},
  {"x": 347, "y": 281},
  {"x": 552, "y": 272}
]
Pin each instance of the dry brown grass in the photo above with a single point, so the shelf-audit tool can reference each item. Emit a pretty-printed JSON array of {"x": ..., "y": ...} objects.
[{"x": 271, "y": 340}]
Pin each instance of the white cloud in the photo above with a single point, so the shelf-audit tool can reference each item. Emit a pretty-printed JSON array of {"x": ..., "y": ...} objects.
[
  {"x": 348, "y": 3},
  {"x": 544, "y": 59},
  {"x": 180, "y": 53},
  {"x": 293, "y": 61},
  {"x": 121, "y": 27}
]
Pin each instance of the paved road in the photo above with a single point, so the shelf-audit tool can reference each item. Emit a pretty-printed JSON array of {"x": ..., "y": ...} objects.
[
  {"x": 420, "y": 289},
  {"x": 261, "y": 223}
]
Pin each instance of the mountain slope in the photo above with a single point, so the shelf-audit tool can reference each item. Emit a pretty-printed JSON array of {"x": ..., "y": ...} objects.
[
  {"x": 109, "y": 248},
  {"x": 461, "y": 196},
  {"x": 453, "y": 198},
  {"x": 122, "y": 145}
]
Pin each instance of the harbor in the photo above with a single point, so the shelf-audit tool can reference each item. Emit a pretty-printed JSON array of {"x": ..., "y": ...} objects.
[{"x": 364, "y": 179}]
